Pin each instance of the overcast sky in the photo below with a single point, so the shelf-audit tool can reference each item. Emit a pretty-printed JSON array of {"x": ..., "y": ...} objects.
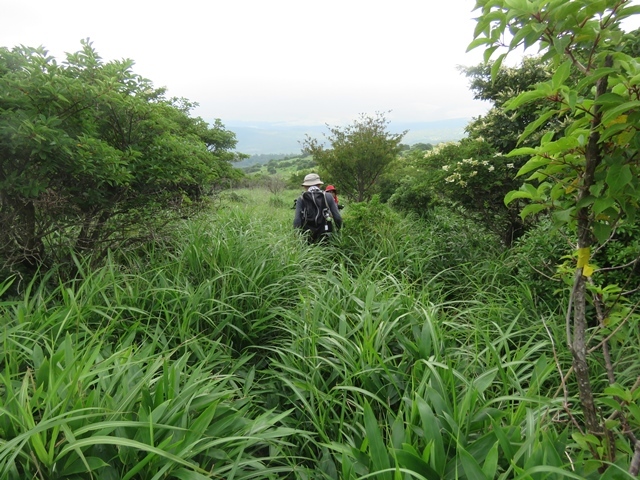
[{"x": 292, "y": 61}]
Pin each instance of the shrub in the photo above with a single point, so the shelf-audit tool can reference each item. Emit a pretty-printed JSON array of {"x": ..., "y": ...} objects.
[
  {"x": 535, "y": 258},
  {"x": 412, "y": 194},
  {"x": 94, "y": 157}
]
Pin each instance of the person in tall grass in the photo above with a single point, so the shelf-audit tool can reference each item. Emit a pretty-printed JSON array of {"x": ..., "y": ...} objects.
[
  {"x": 334, "y": 193},
  {"x": 316, "y": 211}
]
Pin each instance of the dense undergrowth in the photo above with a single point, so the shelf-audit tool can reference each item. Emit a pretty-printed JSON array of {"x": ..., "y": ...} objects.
[{"x": 416, "y": 350}]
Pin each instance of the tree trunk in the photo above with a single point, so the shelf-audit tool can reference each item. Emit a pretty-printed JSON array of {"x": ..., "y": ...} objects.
[
  {"x": 32, "y": 246},
  {"x": 579, "y": 352},
  {"x": 593, "y": 157}
]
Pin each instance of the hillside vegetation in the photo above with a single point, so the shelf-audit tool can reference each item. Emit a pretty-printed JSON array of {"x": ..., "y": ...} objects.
[
  {"x": 477, "y": 316},
  {"x": 235, "y": 350}
]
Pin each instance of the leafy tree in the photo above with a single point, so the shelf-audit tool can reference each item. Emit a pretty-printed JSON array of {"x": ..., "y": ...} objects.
[
  {"x": 589, "y": 178},
  {"x": 422, "y": 146},
  {"x": 500, "y": 127},
  {"x": 359, "y": 154},
  {"x": 92, "y": 156},
  {"x": 473, "y": 173}
]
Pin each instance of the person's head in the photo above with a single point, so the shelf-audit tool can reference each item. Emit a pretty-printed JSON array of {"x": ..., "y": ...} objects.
[
  {"x": 311, "y": 180},
  {"x": 332, "y": 189}
]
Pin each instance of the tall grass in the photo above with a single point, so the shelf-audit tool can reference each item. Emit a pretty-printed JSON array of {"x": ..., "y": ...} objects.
[{"x": 239, "y": 351}]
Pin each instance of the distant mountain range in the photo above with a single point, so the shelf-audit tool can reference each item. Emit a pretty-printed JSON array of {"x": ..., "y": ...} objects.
[{"x": 276, "y": 138}]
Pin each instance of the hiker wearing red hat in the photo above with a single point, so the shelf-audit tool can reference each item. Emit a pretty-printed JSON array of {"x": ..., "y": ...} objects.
[{"x": 334, "y": 193}]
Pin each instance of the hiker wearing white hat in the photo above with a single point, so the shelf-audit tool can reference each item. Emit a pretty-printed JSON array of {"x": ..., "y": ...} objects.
[
  {"x": 311, "y": 180},
  {"x": 316, "y": 211}
]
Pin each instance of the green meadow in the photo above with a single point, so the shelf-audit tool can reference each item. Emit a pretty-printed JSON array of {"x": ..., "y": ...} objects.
[{"x": 231, "y": 349}]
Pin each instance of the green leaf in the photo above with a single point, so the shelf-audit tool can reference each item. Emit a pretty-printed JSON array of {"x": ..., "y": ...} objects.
[
  {"x": 537, "y": 123},
  {"x": 618, "y": 391},
  {"x": 409, "y": 460},
  {"x": 503, "y": 439},
  {"x": 561, "y": 74},
  {"x": 531, "y": 209},
  {"x": 635, "y": 411},
  {"x": 432, "y": 433},
  {"x": 78, "y": 466},
  {"x": 564, "y": 216},
  {"x": 488, "y": 52},
  {"x": 613, "y": 129},
  {"x": 517, "y": 152},
  {"x": 628, "y": 11},
  {"x": 477, "y": 42},
  {"x": 377, "y": 450},
  {"x": 610, "y": 99},
  {"x": 585, "y": 201},
  {"x": 424, "y": 348},
  {"x": 495, "y": 68},
  {"x": 524, "y": 98},
  {"x": 491, "y": 462},
  {"x": 520, "y": 35},
  {"x": 532, "y": 37},
  {"x": 124, "y": 442},
  {"x": 615, "y": 112},
  {"x": 184, "y": 474},
  {"x": 533, "y": 164},
  {"x": 514, "y": 194},
  {"x": 397, "y": 431},
  {"x": 560, "y": 44},
  {"x": 470, "y": 465},
  {"x": 485, "y": 380},
  {"x": 603, "y": 203},
  {"x": 482, "y": 26},
  {"x": 618, "y": 177},
  {"x": 594, "y": 77},
  {"x": 601, "y": 231},
  {"x": 517, "y": 5}
]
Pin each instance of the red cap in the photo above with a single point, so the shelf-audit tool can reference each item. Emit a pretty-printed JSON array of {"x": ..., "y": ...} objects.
[{"x": 329, "y": 188}]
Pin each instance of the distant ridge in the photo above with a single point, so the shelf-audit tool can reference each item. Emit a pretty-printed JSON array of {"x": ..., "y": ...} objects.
[{"x": 278, "y": 138}]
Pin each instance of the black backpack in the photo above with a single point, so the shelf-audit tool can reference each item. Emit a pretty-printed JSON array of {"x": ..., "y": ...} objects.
[{"x": 316, "y": 217}]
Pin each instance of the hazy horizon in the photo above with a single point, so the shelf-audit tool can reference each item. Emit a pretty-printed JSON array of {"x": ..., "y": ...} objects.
[{"x": 256, "y": 138}]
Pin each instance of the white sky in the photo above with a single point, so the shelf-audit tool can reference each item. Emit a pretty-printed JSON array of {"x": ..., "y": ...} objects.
[{"x": 291, "y": 61}]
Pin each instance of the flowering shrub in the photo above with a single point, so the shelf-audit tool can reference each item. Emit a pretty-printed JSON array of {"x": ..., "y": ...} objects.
[
  {"x": 469, "y": 173},
  {"x": 474, "y": 174}
]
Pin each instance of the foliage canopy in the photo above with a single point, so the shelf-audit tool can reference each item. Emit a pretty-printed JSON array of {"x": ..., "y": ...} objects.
[
  {"x": 589, "y": 177},
  {"x": 359, "y": 154},
  {"x": 92, "y": 155}
]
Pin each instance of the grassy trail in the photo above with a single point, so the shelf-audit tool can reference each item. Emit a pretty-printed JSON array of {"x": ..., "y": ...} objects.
[{"x": 237, "y": 351}]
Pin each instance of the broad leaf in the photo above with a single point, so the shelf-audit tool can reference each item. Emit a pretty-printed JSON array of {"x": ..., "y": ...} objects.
[
  {"x": 532, "y": 209},
  {"x": 379, "y": 456}
]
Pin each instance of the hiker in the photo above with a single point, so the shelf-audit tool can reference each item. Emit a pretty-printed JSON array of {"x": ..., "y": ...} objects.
[
  {"x": 334, "y": 193},
  {"x": 316, "y": 211}
]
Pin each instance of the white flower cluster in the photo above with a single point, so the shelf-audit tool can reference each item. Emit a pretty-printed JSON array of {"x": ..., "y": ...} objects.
[
  {"x": 452, "y": 178},
  {"x": 456, "y": 176}
]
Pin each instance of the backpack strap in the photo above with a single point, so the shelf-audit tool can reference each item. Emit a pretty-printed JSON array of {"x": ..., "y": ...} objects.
[{"x": 326, "y": 204}]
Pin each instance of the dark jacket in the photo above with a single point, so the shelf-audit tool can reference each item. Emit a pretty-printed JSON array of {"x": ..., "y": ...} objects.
[{"x": 333, "y": 208}]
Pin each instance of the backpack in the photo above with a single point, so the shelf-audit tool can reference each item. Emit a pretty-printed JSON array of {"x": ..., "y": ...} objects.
[{"x": 316, "y": 217}]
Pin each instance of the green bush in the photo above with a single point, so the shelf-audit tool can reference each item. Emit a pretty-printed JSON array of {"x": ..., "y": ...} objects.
[
  {"x": 413, "y": 195},
  {"x": 371, "y": 218},
  {"x": 94, "y": 157},
  {"x": 536, "y": 257}
]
